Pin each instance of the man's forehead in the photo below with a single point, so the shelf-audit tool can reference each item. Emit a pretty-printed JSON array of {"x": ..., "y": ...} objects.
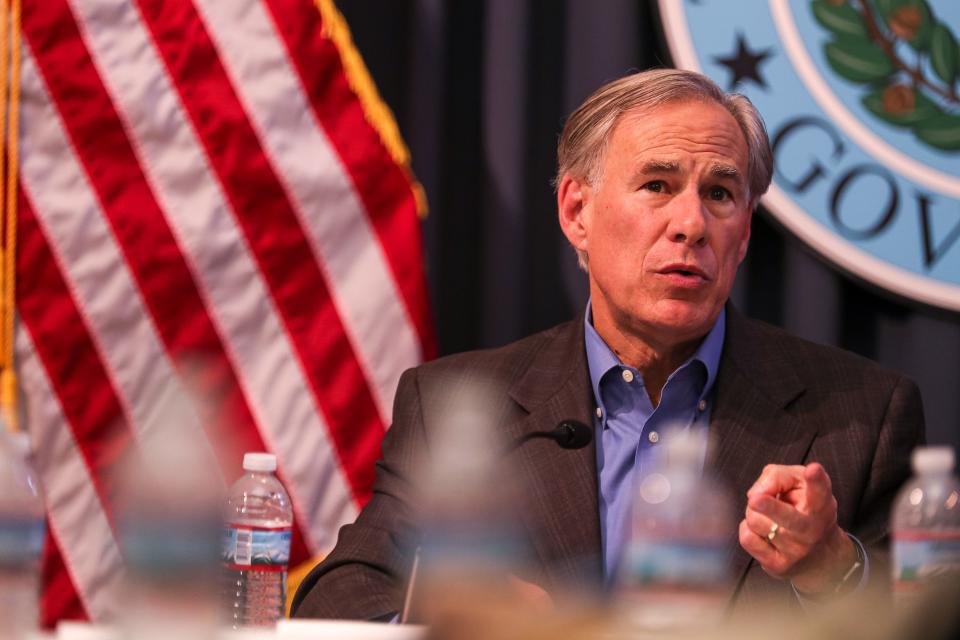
[
  {"x": 654, "y": 133},
  {"x": 663, "y": 165}
]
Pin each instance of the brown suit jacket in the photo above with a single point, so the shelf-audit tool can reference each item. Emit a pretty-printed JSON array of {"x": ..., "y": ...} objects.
[{"x": 778, "y": 399}]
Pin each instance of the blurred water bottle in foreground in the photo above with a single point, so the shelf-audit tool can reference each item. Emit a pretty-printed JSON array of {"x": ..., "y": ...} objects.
[
  {"x": 675, "y": 571},
  {"x": 22, "y": 528},
  {"x": 170, "y": 533},
  {"x": 256, "y": 545},
  {"x": 468, "y": 512},
  {"x": 926, "y": 525}
]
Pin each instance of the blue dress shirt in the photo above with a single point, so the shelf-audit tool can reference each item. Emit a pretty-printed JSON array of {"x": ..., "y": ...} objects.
[{"x": 629, "y": 427}]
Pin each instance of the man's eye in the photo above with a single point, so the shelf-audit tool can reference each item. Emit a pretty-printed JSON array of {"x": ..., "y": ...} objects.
[
  {"x": 656, "y": 186},
  {"x": 718, "y": 193}
]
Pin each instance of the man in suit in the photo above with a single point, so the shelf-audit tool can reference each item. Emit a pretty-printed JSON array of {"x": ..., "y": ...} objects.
[{"x": 659, "y": 174}]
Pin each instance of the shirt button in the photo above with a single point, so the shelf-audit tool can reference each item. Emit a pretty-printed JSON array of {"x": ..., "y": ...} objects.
[
  {"x": 599, "y": 412},
  {"x": 702, "y": 406},
  {"x": 627, "y": 375},
  {"x": 653, "y": 437}
]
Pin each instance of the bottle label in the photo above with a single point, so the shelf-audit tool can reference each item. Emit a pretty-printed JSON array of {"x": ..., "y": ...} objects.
[
  {"x": 675, "y": 564},
  {"x": 159, "y": 547},
  {"x": 921, "y": 556},
  {"x": 256, "y": 548},
  {"x": 21, "y": 541}
]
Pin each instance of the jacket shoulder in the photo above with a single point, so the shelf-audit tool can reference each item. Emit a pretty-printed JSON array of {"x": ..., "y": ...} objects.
[
  {"x": 819, "y": 366},
  {"x": 504, "y": 364}
]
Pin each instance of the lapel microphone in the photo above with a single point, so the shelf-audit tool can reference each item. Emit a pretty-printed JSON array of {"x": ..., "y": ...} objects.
[{"x": 569, "y": 434}]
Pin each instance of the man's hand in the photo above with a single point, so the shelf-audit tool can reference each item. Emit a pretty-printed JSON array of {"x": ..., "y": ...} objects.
[{"x": 806, "y": 546}]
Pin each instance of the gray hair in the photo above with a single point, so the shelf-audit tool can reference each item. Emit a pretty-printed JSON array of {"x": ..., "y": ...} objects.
[{"x": 586, "y": 133}]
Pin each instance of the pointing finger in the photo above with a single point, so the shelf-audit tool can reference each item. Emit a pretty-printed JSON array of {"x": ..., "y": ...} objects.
[{"x": 819, "y": 486}]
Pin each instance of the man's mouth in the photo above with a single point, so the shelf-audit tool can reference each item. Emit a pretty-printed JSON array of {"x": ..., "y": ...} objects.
[{"x": 685, "y": 270}]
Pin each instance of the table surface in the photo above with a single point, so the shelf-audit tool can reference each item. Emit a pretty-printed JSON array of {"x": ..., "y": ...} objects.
[{"x": 286, "y": 630}]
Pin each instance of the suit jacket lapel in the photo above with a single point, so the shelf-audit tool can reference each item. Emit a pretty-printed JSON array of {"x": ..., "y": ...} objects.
[
  {"x": 563, "y": 511},
  {"x": 750, "y": 427},
  {"x": 750, "y": 424}
]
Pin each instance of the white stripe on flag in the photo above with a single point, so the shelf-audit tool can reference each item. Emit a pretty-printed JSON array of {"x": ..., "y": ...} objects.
[
  {"x": 323, "y": 196},
  {"x": 238, "y": 300},
  {"x": 95, "y": 271},
  {"x": 76, "y": 515}
]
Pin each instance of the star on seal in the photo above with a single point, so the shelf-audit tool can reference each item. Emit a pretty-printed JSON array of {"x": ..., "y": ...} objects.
[{"x": 745, "y": 63}]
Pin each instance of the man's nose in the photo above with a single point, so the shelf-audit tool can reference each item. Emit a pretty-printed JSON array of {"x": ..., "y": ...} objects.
[{"x": 688, "y": 219}]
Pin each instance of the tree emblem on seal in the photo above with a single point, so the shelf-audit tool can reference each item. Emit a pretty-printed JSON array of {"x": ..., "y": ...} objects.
[{"x": 907, "y": 60}]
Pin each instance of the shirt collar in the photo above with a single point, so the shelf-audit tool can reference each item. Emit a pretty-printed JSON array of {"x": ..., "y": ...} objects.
[{"x": 600, "y": 358}]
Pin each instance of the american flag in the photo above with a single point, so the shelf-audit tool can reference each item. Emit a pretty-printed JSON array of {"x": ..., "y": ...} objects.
[{"x": 212, "y": 181}]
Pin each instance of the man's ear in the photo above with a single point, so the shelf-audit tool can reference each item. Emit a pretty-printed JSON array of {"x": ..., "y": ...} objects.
[{"x": 573, "y": 200}]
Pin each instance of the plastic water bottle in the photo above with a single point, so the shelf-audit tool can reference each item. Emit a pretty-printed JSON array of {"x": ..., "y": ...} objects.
[
  {"x": 675, "y": 570},
  {"x": 22, "y": 529},
  {"x": 471, "y": 538},
  {"x": 169, "y": 526},
  {"x": 256, "y": 544},
  {"x": 926, "y": 525}
]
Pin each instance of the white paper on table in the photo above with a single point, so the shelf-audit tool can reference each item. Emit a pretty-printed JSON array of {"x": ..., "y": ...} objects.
[
  {"x": 347, "y": 630},
  {"x": 71, "y": 630}
]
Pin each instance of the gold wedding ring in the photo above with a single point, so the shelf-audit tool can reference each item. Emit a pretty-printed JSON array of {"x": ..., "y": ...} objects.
[{"x": 774, "y": 528}]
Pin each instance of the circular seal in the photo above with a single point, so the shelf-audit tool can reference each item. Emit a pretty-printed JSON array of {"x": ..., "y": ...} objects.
[{"x": 861, "y": 102}]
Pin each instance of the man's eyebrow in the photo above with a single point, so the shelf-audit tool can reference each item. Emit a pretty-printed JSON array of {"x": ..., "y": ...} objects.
[
  {"x": 659, "y": 166},
  {"x": 725, "y": 171}
]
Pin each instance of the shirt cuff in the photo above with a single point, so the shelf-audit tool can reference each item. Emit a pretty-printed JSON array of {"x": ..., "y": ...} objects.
[{"x": 810, "y": 601}]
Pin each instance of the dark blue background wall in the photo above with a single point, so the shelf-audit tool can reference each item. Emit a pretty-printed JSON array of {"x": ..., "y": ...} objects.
[{"x": 480, "y": 90}]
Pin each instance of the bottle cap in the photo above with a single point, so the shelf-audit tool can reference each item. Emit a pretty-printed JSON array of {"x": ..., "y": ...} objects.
[
  {"x": 259, "y": 462},
  {"x": 932, "y": 460}
]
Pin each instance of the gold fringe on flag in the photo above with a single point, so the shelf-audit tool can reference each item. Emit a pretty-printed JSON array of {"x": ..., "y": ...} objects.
[
  {"x": 380, "y": 117},
  {"x": 296, "y": 575},
  {"x": 377, "y": 112},
  {"x": 9, "y": 162}
]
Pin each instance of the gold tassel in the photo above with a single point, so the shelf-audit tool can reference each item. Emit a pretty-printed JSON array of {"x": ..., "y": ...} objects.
[
  {"x": 375, "y": 110},
  {"x": 9, "y": 123}
]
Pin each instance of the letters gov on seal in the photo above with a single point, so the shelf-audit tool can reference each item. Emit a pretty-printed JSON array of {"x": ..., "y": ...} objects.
[{"x": 861, "y": 102}]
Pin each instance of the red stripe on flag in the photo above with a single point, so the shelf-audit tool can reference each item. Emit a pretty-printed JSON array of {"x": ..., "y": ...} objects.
[
  {"x": 59, "y": 600},
  {"x": 277, "y": 240},
  {"x": 383, "y": 187},
  {"x": 144, "y": 237},
  {"x": 70, "y": 359}
]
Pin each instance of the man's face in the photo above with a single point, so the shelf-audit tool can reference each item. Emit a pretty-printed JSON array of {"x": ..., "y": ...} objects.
[{"x": 667, "y": 223}]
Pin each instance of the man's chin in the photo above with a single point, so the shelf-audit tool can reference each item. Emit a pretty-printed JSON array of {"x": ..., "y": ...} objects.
[{"x": 684, "y": 319}]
